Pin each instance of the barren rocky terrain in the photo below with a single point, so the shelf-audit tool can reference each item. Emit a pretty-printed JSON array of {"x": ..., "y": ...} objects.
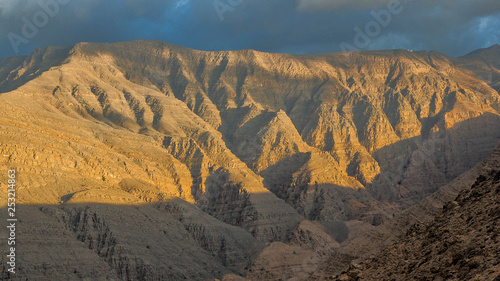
[
  {"x": 462, "y": 243},
  {"x": 393, "y": 233},
  {"x": 145, "y": 160}
]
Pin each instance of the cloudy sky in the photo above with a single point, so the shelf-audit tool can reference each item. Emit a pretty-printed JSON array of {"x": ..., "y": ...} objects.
[{"x": 453, "y": 27}]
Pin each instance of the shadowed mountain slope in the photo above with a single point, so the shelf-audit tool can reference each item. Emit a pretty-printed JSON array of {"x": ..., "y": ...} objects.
[
  {"x": 461, "y": 243},
  {"x": 390, "y": 233}
]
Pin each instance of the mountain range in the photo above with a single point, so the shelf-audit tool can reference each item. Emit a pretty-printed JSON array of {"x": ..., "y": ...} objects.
[{"x": 145, "y": 160}]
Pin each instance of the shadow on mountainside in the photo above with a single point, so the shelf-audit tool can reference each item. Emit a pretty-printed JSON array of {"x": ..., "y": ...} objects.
[
  {"x": 18, "y": 71},
  {"x": 414, "y": 168},
  {"x": 171, "y": 240}
]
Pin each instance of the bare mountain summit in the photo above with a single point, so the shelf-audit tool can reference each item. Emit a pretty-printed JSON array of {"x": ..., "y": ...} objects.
[{"x": 156, "y": 161}]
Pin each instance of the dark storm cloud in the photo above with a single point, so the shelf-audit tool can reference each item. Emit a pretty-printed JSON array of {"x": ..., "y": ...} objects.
[
  {"x": 454, "y": 27},
  {"x": 321, "y": 5},
  {"x": 67, "y": 22}
]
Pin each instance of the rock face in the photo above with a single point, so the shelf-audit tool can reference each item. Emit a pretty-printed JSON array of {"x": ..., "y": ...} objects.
[
  {"x": 308, "y": 244},
  {"x": 106, "y": 242},
  {"x": 253, "y": 142},
  {"x": 462, "y": 243},
  {"x": 374, "y": 241}
]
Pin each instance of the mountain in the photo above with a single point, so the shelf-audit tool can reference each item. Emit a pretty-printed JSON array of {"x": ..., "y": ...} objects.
[
  {"x": 483, "y": 64},
  {"x": 228, "y": 158},
  {"x": 461, "y": 243},
  {"x": 489, "y": 56},
  {"x": 390, "y": 233}
]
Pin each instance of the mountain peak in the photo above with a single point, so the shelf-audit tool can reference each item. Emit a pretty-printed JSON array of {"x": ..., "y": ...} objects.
[
  {"x": 494, "y": 49},
  {"x": 488, "y": 56}
]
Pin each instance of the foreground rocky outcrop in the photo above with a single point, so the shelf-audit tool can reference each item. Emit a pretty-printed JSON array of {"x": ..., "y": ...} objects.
[
  {"x": 460, "y": 244},
  {"x": 375, "y": 240}
]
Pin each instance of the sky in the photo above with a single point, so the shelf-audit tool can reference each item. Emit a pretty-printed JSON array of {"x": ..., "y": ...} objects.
[{"x": 452, "y": 27}]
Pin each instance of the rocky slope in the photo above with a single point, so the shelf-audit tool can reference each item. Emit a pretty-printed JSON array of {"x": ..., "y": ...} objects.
[
  {"x": 460, "y": 244},
  {"x": 257, "y": 144},
  {"x": 374, "y": 241}
]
